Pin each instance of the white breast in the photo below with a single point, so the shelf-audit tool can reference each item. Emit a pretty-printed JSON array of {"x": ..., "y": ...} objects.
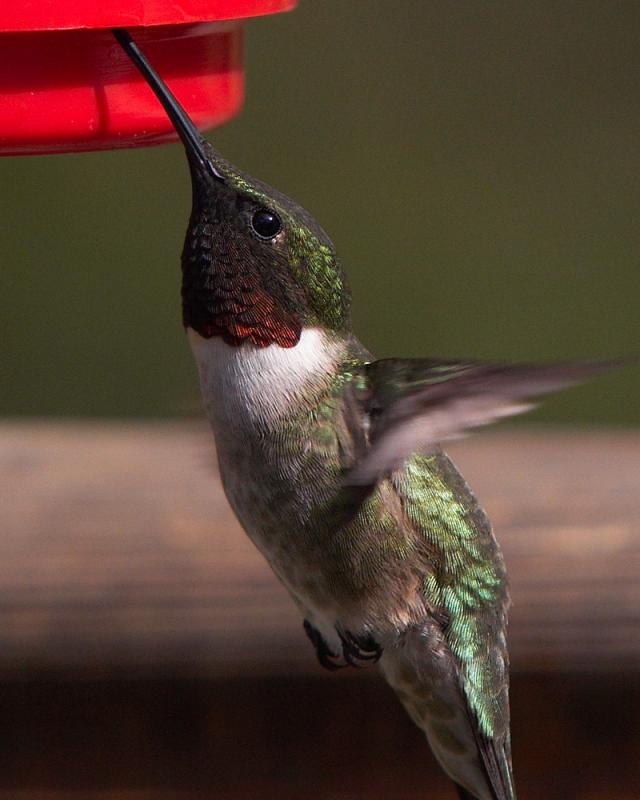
[{"x": 254, "y": 385}]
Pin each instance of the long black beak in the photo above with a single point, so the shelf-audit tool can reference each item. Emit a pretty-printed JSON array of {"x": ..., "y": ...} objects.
[{"x": 194, "y": 142}]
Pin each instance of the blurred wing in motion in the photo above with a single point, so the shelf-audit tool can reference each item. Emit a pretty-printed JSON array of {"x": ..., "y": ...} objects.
[{"x": 414, "y": 404}]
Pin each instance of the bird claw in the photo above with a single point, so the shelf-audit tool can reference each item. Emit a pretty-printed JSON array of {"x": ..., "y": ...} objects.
[
  {"x": 357, "y": 649},
  {"x": 327, "y": 658}
]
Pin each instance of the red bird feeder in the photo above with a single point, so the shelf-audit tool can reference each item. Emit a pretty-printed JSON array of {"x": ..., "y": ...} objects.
[{"x": 66, "y": 85}]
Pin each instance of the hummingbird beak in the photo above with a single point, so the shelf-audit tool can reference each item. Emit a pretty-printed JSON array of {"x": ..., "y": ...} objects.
[{"x": 194, "y": 142}]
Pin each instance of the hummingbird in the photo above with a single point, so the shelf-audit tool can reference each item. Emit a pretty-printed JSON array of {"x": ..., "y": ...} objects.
[{"x": 333, "y": 463}]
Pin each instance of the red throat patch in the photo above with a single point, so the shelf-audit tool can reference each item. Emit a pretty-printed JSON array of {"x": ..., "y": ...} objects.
[
  {"x": 228, "y": 292},
  {"x": 243, "y": 314}
]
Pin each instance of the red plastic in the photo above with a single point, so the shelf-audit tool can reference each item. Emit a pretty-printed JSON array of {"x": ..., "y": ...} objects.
[{"x": 66, "y": 85}]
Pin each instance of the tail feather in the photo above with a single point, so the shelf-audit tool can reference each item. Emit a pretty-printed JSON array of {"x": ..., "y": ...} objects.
[
  {"x": 496, "y": 760},
  {"x": 428, "y": 687}
]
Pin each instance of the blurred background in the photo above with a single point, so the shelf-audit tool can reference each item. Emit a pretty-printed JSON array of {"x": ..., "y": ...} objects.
[{"x": 478, "y": 168}]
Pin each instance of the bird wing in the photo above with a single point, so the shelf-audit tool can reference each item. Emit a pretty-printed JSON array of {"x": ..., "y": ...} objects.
[
  {"x": 414, "y": 404},
  {"x": 465, "y": 586}
]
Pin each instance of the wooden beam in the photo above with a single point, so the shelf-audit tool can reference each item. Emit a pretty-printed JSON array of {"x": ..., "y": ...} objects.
[{"x": 119, "y": 553}]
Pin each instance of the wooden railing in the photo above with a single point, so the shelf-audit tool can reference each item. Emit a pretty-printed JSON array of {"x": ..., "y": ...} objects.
[
  {"x": 147, "y": 652},
  {"x": 118, "y": 551}
]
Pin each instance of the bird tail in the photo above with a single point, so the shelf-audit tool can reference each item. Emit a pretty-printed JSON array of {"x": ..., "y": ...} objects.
[{"x": 431, "y": 693}]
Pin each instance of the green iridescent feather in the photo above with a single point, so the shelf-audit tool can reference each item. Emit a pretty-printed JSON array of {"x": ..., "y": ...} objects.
[{"x": 312, "y": 259}]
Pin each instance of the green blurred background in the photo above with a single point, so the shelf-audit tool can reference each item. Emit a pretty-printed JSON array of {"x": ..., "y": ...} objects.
[{"x": 477, "y": 165}]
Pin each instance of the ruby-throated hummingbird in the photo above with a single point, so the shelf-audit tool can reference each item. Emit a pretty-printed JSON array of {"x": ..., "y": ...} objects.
[{"x": 331, "y": 460}]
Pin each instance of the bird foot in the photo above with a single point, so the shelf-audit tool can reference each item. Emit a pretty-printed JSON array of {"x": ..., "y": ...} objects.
[
  {"x": 327, "y": 658},
  {"x": 357, "y": 649}
]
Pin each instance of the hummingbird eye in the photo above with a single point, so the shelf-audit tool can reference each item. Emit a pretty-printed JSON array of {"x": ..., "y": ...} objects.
[{"x": 266, "y": 224}]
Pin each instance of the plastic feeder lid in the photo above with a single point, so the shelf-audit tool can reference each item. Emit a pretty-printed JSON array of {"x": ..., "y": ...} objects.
[{"x": 66, "y": 85}]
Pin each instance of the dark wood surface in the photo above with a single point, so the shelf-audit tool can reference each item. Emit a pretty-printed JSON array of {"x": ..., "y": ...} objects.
[
  {"x": 299, "y": 738},
  {"x": 119, "y": 551}
]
